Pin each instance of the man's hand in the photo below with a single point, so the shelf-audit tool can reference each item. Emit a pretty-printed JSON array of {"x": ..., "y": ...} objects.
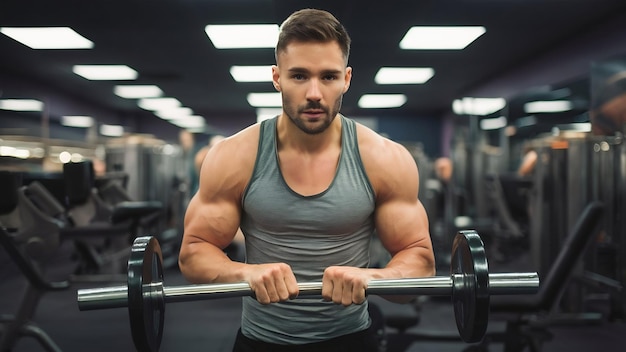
[
  {"x": 345, "y": 285},
  {"x": 274, "y": 282}
]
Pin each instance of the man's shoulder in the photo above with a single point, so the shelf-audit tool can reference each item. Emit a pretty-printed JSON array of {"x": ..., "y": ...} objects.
[
  {"x": 373, "y": 144},
  {"x": 232, "y": 159},
  {"x": 238, "y": 150},
  {"x": 383, "y": 158},
  {"x": 242, "y": 140}
]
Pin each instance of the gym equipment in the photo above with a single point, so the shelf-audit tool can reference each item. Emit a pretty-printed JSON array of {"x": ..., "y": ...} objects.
[
  {"x": 530, "y": 318},
  {"x": 470, "y": 286},
  {"x": 30, "y": 243}
]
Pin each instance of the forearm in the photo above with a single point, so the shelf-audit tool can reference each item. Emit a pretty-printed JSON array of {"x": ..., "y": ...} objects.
[
  {"x": 203, "y": 262},
  {"x": 408, "y": 263}
]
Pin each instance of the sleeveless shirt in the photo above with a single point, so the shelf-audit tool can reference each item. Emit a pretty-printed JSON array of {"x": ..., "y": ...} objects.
[{"x": 309, "y": 233}]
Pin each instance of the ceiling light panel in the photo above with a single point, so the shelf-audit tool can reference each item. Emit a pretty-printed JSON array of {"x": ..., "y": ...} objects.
[
  {"x": 156, "y": 104},
  {"x": 440, "y": 38},
  {"x": 105, "y": 72},
  {"x": 193, "y": 121},
  {"x": 251, "y": 73},
  {"x": 477, "y": 106},
  {"x": 403, "y": 75},
  {"x": 265, "y": 100},
  {"x": 381, "y": 101},
  {"x": 547, "y": 106},
  {"x": 243, "y": 36},
  {"x": 174, "y": 113},
  {"x": 47, "y": 37},
  {"x": 493, "y": 124},
  {"x": 138, "y": 91},
  {"x": 21, "y": 104},
  {"x": 77, "y": 121},
  {"x": 112, "y": 130}
]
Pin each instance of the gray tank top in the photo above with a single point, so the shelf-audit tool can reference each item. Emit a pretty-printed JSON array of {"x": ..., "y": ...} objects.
[{"x": 309, "y": 233}]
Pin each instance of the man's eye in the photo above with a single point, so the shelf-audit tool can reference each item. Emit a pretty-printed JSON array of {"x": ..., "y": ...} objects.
[
  {"x": 298, "y": 76},
  {"x": 330, "y": 78}
]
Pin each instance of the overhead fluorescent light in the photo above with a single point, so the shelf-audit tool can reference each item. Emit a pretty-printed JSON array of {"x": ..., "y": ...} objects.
[
  {"x": 265, "y": 100},
  {"x": 156, "y": 104},
  {"x": 112, "y": 130},
  {"x": 77, "y": 121},
  {"x": 477, "y": 106},
  {"x": 21, "y": 104},
  {"x": 174, "y": 113},
  {"x": 374, "y": 101},
  {"x": 534, "y": 107},
  {"x": 105, "y": 72},
  {"x": 493, "y": 124},
  {"x": 444, "y": 38},
  {"x": 251, "y": 73},
  {"x": 138, "y": 91},
  {"x": 403, "y": 75},
  {"x": 267, "y": 113},
  {"x": 193, "y": 121},
  {"x": 48, "y": 37},
  {"x": 243, "y": 35}
]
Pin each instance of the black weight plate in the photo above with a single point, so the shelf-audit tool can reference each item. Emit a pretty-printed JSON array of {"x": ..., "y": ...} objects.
[
  {"x": 146, "y": 304},
  {"x": 470, "y": 291}
]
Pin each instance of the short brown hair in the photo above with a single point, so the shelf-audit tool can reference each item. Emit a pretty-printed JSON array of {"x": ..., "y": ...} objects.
[{"x": 311, "y": 25}]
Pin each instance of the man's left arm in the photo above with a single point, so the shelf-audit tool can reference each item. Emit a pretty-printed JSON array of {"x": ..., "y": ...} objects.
[
  {"x": 401, "y": 220},
  {"x": 401, "y": 224}
]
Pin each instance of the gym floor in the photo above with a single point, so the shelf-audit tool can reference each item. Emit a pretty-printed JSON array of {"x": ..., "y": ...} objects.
[{"x": 210, "y": 325}]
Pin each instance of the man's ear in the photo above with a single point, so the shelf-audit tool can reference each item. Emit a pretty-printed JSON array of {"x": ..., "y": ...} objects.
[
  {"x": 275, "y": 77},
  {"x": 347, "y": 79}
]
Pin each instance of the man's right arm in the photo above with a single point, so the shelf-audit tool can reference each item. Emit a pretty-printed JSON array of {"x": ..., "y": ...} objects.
[{"x": 212, "y": 220}]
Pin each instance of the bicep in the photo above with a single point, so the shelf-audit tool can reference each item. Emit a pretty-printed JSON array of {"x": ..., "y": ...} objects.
[
  {"x": 402, "y": 223},
  {"x": 214, "y": 211},
  {"x": 211, "y": 220},
  {"x": 401, "y": 220}
]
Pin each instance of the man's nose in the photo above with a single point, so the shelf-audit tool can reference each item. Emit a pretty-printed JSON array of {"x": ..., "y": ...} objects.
[{"x": 313, "y": 92}]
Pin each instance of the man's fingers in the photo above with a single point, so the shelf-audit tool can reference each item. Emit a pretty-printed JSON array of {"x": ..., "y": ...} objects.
[{"x": 275, "y": 283}]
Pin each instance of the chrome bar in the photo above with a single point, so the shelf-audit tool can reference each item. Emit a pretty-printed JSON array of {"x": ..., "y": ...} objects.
[
  {"x": 103, "y": 298},
  {"x": 499, "y": 284},
  {"x": 513, "y": 283}
]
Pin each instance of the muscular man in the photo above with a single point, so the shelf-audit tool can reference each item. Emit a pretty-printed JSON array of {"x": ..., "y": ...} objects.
[
  {"x": 201, "y": 153},
  {"x": 308, "y": 188}
]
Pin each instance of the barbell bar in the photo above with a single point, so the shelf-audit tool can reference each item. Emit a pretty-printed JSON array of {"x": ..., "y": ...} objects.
[
  {"x": 117, "y": 296},
  {"x": 470, "y": 286}
]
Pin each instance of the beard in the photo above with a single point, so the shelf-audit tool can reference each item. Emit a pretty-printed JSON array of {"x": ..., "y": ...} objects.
[{"x": 295, "y": 114}]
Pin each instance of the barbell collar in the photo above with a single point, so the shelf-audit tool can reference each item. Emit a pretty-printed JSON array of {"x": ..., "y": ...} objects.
[{"x": 499, "y": 284}]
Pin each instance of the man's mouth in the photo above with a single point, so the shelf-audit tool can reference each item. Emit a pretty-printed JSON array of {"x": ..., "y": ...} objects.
[{"x": 313, "y": 112}]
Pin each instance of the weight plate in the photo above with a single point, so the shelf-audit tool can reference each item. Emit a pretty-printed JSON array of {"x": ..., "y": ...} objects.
[
  {"x": 470, "y": 290},
  {"x": 146, "y": 303}
]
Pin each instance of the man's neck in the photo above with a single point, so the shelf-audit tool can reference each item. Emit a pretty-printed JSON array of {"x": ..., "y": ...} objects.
[{"x": 290, "y": 136}]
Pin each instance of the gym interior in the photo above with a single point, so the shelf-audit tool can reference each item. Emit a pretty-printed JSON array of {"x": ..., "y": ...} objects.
[{"x": 518, "y": 137}]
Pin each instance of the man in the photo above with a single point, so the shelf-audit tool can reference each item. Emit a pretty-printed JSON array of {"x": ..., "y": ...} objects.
[
  {"x": 201, "y": 153},
  {"x": 308, "y": 188}
]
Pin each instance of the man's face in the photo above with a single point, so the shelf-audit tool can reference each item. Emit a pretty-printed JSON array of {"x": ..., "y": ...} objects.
[{"x": 312, "y": 78}]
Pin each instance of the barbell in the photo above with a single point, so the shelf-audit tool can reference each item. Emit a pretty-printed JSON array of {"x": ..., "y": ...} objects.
[{"x": 470, "y": 286}]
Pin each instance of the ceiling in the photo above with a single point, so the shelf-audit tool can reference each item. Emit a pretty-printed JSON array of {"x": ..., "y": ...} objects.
[{"x": 165, "y": 42}]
